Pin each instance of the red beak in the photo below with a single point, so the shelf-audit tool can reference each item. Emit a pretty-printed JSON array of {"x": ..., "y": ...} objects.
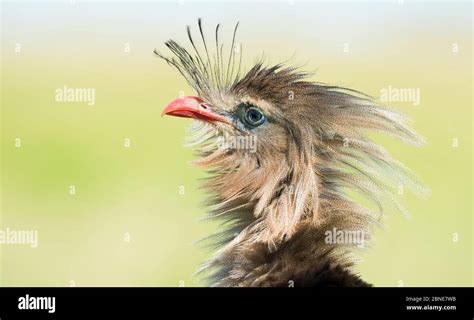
[{"x": 191, "y": 107}]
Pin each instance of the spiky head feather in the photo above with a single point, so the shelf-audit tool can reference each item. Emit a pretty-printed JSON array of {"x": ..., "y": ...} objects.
[{"x": 279, "y": 202}]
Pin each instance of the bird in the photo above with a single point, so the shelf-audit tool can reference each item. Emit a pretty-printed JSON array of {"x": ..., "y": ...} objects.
[{"x": 313, "y": 179}]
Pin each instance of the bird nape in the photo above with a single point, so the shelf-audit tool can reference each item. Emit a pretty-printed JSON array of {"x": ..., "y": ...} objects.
[{"x": 290, "y": 167}]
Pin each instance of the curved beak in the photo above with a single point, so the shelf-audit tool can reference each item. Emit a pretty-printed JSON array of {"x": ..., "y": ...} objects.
[{"x": 192, "y": 107}]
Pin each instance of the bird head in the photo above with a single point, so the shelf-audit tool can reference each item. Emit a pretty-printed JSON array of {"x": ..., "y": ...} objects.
[{"x": 282, "y": 149}]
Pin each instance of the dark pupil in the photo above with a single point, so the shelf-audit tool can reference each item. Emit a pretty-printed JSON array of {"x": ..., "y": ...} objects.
[{"x": 254, "y": 115}]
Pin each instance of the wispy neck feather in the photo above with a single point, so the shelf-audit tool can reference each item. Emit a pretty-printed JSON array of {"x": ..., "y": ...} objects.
[
  {"x": 279, "y": 206},
  {"x": 278, "y": 214}
]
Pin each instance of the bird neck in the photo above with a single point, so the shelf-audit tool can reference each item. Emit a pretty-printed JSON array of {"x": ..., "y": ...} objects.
[
  {"x": 278, "y": 216},
  {"x": 261, "y": 250},
  {"x": 313, "y": 256}
]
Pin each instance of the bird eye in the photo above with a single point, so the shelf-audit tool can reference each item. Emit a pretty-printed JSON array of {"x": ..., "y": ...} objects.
[{"x": 253, "y": 116}]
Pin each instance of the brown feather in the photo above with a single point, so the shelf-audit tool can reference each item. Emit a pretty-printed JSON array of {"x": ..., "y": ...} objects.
[{"x": 280, "y": 201}]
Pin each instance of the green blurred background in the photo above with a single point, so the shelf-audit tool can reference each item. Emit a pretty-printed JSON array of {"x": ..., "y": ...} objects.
[{"x": 128, "y": 223}]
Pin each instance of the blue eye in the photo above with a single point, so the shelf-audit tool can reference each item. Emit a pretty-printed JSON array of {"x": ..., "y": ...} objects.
[
  {"x": 254, "y": 116},
  {"x": 251, "y": 115}
]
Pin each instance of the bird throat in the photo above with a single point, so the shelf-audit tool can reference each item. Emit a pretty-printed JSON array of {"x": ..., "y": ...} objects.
[{"x": 277, "y": 230}]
